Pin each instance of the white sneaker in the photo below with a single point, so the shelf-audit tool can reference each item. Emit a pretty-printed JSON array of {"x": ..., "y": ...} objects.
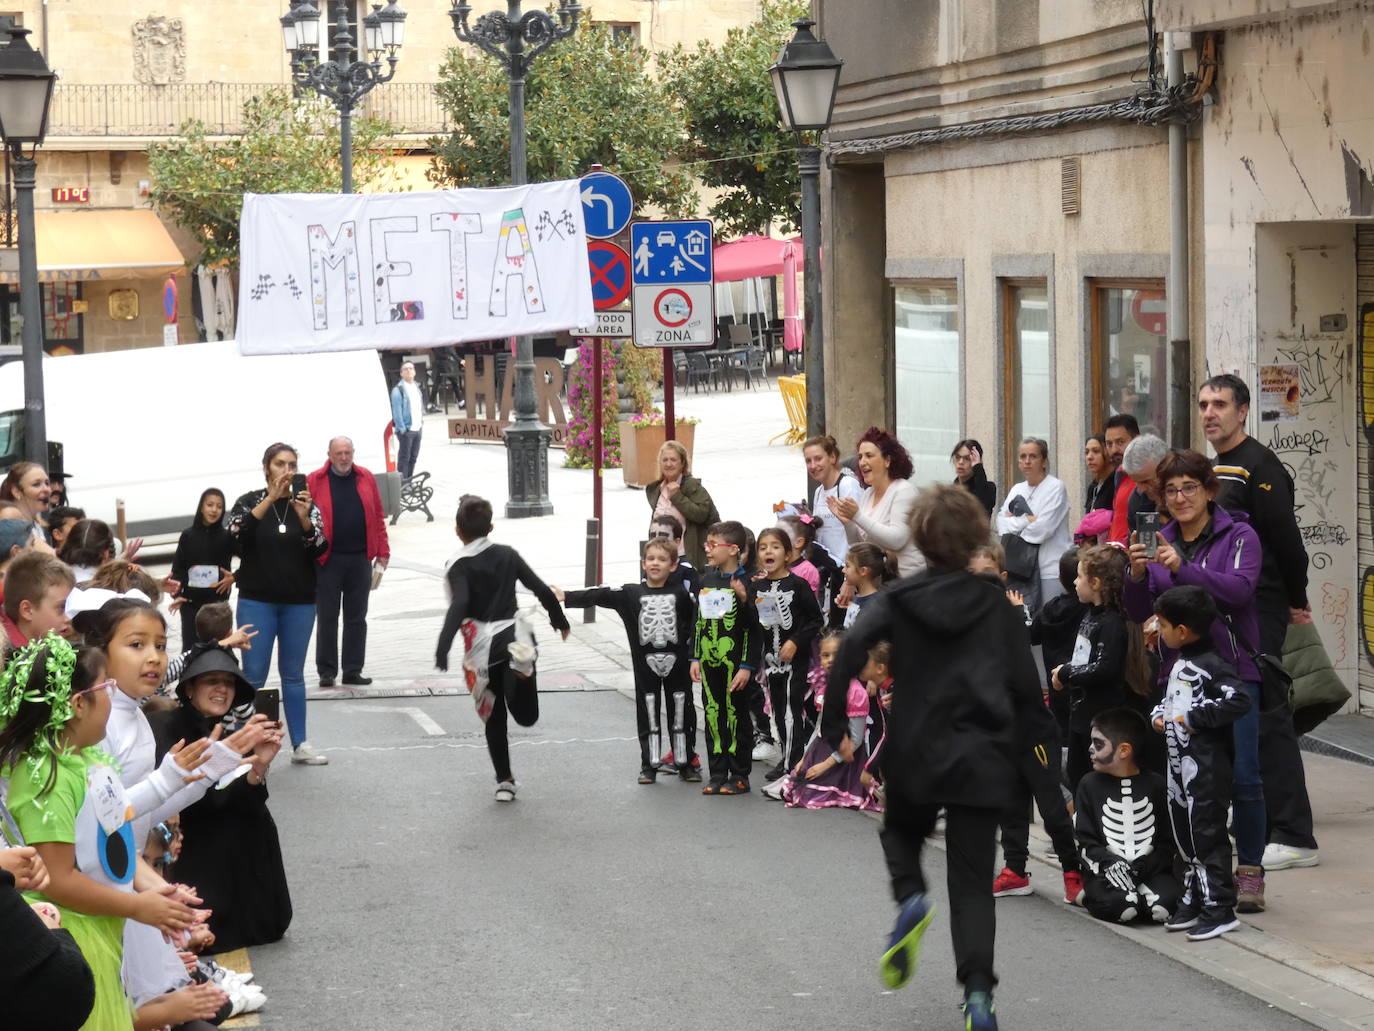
[
  {"x": 774, "y": 790},
  {"x": 1287, "y": 857},
  {"x": 766, "y": 752},
  {"x": 247, "y": 999},
  {"x": 505, "y": 791},
  {"x": 305, "y": 755}
]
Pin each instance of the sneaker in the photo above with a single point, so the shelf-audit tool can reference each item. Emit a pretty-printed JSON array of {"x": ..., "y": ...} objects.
[
  {"x": 505, "y": 791},
  {"x": 774, "y": 790},
  {"x": 776, "y": 772},
  {"x": 1185, "y": 917},
  {"x": 648, "y": 775},
  {"x": 1288, "y": 857},
  {"x": 1249, "y": 889},
  {"x": 766, "y": 751},
  {"x": 1073, "y": 888},
  {"x": 690, "y": 775},
  {"x": 713, "y": 786},
  {"x": 904, "y": 945},
  {"x": 979, "y": 1013},
  {"x": 735, "y": 786},
  {"x": 1213, "y": 926},
  {"x": 667, "y": 759},
  {"x": 1009, "y": 882},
  {"x": 305, "y": 755}
]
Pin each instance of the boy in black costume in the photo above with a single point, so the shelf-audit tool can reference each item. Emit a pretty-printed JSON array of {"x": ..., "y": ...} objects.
[
  {"x": 1127, "y": 849},
  {"x": 658, "y": 618},
  {"x": 725, "y": 654},
  {"x": 1203, "y": 698}
]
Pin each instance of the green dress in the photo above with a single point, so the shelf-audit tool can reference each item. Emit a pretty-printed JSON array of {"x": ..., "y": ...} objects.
[{"x": 86, "y": 808}]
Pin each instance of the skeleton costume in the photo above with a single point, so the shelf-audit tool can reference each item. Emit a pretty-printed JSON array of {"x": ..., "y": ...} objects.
[
  {"x": 658, "y": 623},
  {"x": 787, "y": 611},
  {"x": 1203, "y": 689},
  {"x": 1126, "y": 847},
  {"x": 726, "y": 641}
]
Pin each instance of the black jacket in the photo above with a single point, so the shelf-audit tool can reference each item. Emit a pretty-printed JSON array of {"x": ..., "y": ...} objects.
[
  {"x": 1254, "y": 481},
  {"x": 965, "y": 689},
  {"x": 482, "y": 587},
  {"x": 1055, "y": 628},
  {"x": 45, "y": 982},
  {"x": 1094, "y": 675},
  {"x": 981, "y": 487},
  {"x": 278, "y": 565},
  {"x": 202, "y": 545}
]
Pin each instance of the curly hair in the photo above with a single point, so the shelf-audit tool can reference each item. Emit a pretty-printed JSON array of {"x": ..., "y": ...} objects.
[
  {"x": 1108, "y": 564},
  {"x": 899, "y": 465}
]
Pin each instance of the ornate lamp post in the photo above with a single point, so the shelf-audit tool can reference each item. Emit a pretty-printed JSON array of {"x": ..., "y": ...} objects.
[
  {"x": 806, "y": 78},
  {"x": 343, "y": 79},
  {"x": 26, "y": 84},
  {"x": 515, "y": 40}
]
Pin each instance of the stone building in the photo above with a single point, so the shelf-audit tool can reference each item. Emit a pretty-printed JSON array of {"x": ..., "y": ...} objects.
[
  {"x": 997, "y": 212},
  {"x": 131, "y": 71}
]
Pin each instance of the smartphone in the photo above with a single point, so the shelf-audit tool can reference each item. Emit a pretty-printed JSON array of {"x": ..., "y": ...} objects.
[
  {"x": 298, "y": 484},
  {"x": 1147, "y": 527},
  {"x": 268, "y": 702}
]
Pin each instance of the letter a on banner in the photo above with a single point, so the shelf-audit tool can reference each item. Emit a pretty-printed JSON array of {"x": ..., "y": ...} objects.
[
  {"x": 459, "y": 226},
  {"x": 326, "y": 254},
  {"x": 515, "y": 257}
]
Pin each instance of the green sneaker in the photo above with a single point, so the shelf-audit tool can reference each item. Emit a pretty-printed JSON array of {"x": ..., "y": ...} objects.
[
  {"x": 903, "y": 949},
  {"x": 979, "y": 1013}
]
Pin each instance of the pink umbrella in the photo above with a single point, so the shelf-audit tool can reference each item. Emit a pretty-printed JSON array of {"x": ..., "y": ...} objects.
[{"x": 750, "y": 257}]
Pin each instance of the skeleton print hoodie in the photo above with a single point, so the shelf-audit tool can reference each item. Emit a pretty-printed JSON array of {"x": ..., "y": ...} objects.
[{"x": 1203, "y": 698}]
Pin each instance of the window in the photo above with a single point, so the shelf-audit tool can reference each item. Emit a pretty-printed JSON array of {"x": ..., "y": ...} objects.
[
  {"x": 926, "y": 379},
  {"x": 1131, "y": 354},
  {"x": 1026, "y": 365},
  {"x": 329, "y": 19},
  {"x": 62, "y": 319},
  {"x": 623, "y": 31}
]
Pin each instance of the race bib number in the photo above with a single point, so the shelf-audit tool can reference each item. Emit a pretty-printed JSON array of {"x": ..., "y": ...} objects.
[
  {"x": 717, "y": 602},
  {"x": 107, "y": 799},
  {"x": 770, "y": 613},
  {"x": 1082, "y": 651},
  {"x": 202, "y": 576}
]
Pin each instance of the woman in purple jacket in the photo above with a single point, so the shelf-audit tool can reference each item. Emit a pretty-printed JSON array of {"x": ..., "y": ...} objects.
[{"x": 1209, "y": 547}]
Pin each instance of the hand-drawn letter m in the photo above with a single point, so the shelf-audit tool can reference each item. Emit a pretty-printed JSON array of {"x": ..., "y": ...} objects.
[{"x": 328, "y": 254}]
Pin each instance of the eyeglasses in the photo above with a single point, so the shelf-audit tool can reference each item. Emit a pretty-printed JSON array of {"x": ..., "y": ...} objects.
[
  {"x": 665, "y": 535},
  {"x": 713, "y": 545},
  {"x": 105, "y": 685},
  {"x": 1187, "y": 490}
]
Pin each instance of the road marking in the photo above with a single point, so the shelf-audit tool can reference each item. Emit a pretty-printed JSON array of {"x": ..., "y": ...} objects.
[
  {"x": 481, "y": 744},
  {"x": 421, "y": 717}
]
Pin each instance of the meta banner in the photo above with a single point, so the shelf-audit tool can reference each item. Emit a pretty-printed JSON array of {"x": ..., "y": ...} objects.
[{"x": 330, "y": 272}]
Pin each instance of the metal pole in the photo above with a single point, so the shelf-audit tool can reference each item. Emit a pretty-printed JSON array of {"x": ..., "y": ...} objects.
[
  {"x": 346, "y": 144},
  {"x": 811, "y": 244},
  {"x": 598, "y": 439},
  {"x": 30, "y": 311},
  {"x": 669, "y": 416},
  {"x": 592, "y": 569},
  {"x": 527, "y": 439},
  {"x": 1180, "y": 349}
]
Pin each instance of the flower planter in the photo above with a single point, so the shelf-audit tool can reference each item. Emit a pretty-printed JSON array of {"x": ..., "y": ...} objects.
[{"x": 639, "y": 446}]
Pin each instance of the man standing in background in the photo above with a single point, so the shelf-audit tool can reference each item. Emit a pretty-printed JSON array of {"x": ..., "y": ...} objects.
[{"x": 408, "y": 419}]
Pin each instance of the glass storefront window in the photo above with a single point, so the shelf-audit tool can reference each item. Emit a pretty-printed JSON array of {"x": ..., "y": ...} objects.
[
  {"x": 928, "y": 390},
  {"x": 1131, "y": 354},
  {"x": 1026, "y": 342}
]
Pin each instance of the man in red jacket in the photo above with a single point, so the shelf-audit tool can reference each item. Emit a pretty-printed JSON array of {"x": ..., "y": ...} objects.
[{"x": 355, "y": 526}]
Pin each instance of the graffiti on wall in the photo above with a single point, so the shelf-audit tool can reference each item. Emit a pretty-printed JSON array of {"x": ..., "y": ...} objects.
[{"x": 1365, "y": 351}]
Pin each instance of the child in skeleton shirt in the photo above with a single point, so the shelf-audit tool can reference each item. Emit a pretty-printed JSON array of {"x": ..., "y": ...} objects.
[
  {"x": 658, "y": 622},
  {"x": 1203, "y": 698},
  {"x": 790, "y": 619},
  {"x": 1119, "y": 823}
]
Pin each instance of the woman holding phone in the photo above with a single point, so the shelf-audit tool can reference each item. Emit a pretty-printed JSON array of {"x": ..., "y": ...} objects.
[{"x": 278, "y": 534}]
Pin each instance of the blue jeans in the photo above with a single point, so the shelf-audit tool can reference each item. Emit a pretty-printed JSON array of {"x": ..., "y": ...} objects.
[
  {"x": 288, "y": 628},
  {"x": 1248, "y": 819}
]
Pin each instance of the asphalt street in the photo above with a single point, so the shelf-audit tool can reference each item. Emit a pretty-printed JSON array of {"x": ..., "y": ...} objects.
[{"x": 594, "y": 902}]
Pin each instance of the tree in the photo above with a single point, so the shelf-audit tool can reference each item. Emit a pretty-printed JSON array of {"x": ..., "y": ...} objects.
[
  {"x": 588, "y": 100},
  {"x": 737, "y": 141},
  {"x": 288, "y": 145}
]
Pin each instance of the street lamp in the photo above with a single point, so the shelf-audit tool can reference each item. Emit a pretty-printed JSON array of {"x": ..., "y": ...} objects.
[
  {"x": 343, "y": 79},
  {"x": 515, "y": 40},
  {"x": 806, "y": 78},
  {"x": 26, "y": 85}
]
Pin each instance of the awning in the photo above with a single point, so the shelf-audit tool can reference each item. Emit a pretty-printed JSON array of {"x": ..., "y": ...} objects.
[
  {"x": 753, "y": 256},
  {"x": 78, "y": 246}
]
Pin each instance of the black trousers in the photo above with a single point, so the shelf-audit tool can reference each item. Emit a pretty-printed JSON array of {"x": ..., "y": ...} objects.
[
  {"x": 187, "y": 612},
  {"x": 1199, "y": 825},
  {"x": 787, "y": 695},
  {"x": 661, "y": 712},
  {"x": 347, "y": 579},
  {"x": 758, "y": 712},
  {"x": 729, "y": 726},
  {"x": 1286, "y": 804},
  {"x": 516, "y": 695},
  {"x": 1106, "y": 901},
  {"x": 1038, "y": 781},
  {"x": 971, "y": 849}
]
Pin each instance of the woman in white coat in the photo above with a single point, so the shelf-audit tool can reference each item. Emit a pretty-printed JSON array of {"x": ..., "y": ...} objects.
[
  {"x": 1037, "y": 511},
  {"x": 883, "y": 514}
]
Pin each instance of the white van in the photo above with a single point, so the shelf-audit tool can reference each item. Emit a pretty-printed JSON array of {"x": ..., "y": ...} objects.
[{"x": 155, "y": 426}]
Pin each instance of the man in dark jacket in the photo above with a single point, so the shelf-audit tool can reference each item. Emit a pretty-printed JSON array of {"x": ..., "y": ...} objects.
[
  {"x": 966, "y": 692},
  {"x": 355, "y": 527},
  {"x": 1255, "y": 482}
]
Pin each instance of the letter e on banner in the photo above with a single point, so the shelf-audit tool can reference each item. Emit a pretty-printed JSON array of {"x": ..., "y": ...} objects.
[{"x": 385, "y": 269}]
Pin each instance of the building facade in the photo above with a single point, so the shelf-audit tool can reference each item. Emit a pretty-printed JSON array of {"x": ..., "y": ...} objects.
[{"x": 997, "y": 235}]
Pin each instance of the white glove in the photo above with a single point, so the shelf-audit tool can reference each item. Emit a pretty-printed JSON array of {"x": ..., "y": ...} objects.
[{"x": 1120, "y": 877}]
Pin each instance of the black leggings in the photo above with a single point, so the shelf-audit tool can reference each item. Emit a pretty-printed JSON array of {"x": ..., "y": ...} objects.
[{"x": 519, "y": 695}]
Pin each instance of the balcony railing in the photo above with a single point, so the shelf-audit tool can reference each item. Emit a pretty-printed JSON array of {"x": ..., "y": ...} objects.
[{"x": 147, "y": 111}]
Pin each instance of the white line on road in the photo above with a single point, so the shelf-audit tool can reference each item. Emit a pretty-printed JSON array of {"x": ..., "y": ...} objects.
[
  {"x": 427, "y": 724},
  {"x": 519, "y": 742}
]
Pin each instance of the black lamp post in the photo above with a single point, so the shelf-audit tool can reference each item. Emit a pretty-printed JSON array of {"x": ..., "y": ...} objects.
[
  {"x": 806, "y": 78},
  {"x": 343, "y": 79},
  {"x": 26, "y": 84},
  {"x": 515, "y": 40}
]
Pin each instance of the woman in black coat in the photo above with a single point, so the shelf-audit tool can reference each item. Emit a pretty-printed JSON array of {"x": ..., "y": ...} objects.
[
  {"x": 965, "y": 693},
  {"x": 967, "y": 458},
  {"x": 230, "y": 853},
  {"x": 202, "y": 562}
]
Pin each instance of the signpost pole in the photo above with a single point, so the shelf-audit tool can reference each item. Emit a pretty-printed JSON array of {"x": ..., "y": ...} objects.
[
  {"x": 598, "y": 431},
  {"x": 669, "y": 417}
]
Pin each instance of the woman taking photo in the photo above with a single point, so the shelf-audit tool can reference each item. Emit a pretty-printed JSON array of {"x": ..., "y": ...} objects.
[
  {"x": 1203, "y": 546},
  {"x": 967, "y": 458},
  {"x": 679, "y": 494},
  {"x": 1037, "y": 512},
  {"x": 822, "y": 456},
  {"x": 26, "y": 488},
  {"x": 1100, "y": 471},
  {"x": 278, "y": 534},
  {"x": 883, "y": 514}
]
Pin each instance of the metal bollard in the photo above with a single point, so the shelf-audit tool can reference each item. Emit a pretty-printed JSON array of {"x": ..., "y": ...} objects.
[{"x": 590, "y": 579}]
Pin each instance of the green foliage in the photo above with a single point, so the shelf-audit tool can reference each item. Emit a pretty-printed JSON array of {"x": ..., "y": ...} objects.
[
  {"x": 580, "y": 452},
  {"x": 288, "y": 145},
  {"x": 737, "y": 140},
  {"x": 588, "y": 100},
  {"x": 643, "y": 371}
]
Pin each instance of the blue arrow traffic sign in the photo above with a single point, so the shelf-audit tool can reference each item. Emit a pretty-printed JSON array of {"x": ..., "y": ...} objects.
[
  {"x": 671, "y": 252},
  {"x": 606, "y": 204}
]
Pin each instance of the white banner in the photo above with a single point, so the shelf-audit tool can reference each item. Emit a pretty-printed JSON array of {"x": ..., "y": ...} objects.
[{"x": 329, "y": 272}]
